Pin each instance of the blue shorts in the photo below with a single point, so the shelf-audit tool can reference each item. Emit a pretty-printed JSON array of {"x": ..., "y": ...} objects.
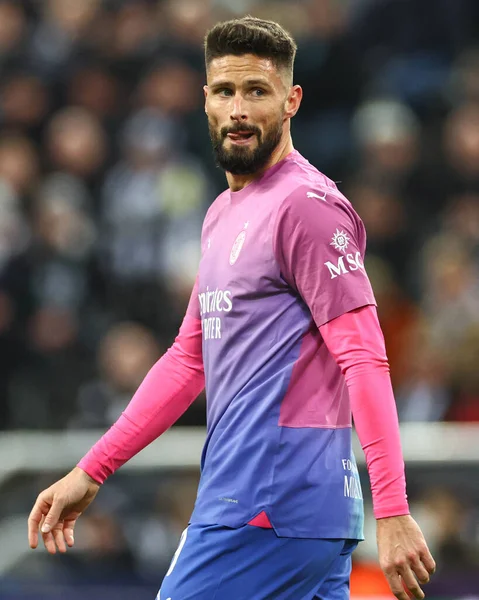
[{"x": 214, "y": 562}]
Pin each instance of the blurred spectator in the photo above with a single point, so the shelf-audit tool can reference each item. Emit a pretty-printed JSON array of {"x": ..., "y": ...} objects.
[
  {"x": 461, "y": 145},
  {"x": 59, "y": 34},
  {"x": 425, "y": 393},
  {"x": 14, "y": 238},
  {"x": 18, "y": 163},
  {"x": 156, "y": 538},
  {"x": 399, "y": 317},
  {"x": 387, "y": 133},
  {"x": 465, "y": 378},
  {"x": 388, "y": 225},
  {"x": 322, "y": 130},
  {"x": 174, "y": 89},
  {"x": 461, "y": 218},
  {"x": 450, "y": 288},
  {"x": 103, "y": 554},
  {"x": 76, "y": 143},
  {"x": 24, "y": 102},
  {"x": 126, "y": 354},
  {"x": 14, "y": 231},
  {"x": 13, "y": 28},
  {"x": 153, "y": 202},
  {"x": 464, "y": 81},
  {"x": 70, "y": 16},
  {"x": 186, "y": 21},
  {"x": 134, "y": 30},
  {"x": 49, "y": 286},
  {"x": 98, "y": 91},
  {"x": 65, "y": 235}
]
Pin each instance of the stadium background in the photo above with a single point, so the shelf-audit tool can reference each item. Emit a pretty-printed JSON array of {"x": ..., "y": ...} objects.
[{"x": 105, "y": 174}]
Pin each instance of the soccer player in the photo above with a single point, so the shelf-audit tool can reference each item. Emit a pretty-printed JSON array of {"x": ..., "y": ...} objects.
[{"x": 282, "y": 330}]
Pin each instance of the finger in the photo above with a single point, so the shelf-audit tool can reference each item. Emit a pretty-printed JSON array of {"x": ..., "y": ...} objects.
[
  {"x": 411, "y": 582},
  {"x": 49, "y": 542},
  {"x": 420, "y": 571},
  {"x": 396, "y": 585},
  {"x": 36, "y": 515},
  {"x": 33, "y": 525},
  {"x": 428, "y": 561},
  {"x": 53, "y": 515},
  {"x": 59, "y": 539},
  {"x": 68, "y": 531}
]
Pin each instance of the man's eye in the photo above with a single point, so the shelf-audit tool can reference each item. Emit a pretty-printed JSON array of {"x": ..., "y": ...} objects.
[
  {"x": 225, "y": 92},
  {"x": 258, "y": 92}
]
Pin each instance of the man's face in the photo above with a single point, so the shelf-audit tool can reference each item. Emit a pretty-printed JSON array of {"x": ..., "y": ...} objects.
[{"x": 245, "y": 103}]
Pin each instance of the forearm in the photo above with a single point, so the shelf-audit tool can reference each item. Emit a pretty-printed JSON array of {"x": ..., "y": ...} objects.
[
  {"x": 167, "y": 391},
  {"x": 375, "y": 419},
  {"x": 355, "y": 340}
]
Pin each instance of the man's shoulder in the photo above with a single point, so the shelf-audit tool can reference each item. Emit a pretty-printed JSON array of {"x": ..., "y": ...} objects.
[
  {"x": 315, "y": 196},
  {"x": 302, "y": 182},
  {"x": 313, "y": 202}
]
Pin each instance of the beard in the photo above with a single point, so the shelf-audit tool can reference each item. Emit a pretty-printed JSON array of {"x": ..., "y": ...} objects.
[{"x": 242, "y": 160}]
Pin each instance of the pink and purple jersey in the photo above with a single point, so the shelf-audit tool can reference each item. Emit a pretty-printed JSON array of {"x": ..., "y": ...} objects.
[
  {"x": 280, "y": 258},
  {"x": 279, "y": 334}
]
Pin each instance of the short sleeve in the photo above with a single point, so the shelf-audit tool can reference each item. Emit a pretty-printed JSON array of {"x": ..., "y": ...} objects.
[{"x": 319, "y": 243}]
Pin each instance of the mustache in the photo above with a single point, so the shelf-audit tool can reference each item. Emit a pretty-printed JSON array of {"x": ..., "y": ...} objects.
[{"x": 240, "y": 129}]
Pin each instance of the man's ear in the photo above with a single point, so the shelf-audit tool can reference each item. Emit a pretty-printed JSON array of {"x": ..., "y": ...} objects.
[{"x": 293, "y": 101}]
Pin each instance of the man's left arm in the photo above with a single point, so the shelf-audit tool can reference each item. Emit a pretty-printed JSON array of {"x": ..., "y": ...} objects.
[
  {"x": 357, "y": 344},
  {"x": 319, "y": 245}
]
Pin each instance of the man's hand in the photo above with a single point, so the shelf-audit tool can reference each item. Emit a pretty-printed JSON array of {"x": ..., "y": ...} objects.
[
  {"x": 57, "y": 509},
  {"x": 404, "y": 556}
]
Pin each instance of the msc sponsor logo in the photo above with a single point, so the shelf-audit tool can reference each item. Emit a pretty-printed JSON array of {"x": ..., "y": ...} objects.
[
  {"x": 340, "y": 241},
  {"x": 345, "y": 264}
]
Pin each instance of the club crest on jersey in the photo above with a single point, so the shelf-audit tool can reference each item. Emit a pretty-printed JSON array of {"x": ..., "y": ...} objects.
[{"x": 236, "y": 249}]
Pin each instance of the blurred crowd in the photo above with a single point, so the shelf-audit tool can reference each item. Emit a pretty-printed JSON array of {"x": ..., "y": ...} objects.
[{"x": 106, "y": 173}]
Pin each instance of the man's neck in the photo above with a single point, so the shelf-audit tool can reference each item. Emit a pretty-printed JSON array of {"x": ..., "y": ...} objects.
[{"x": 238, "y": 182}]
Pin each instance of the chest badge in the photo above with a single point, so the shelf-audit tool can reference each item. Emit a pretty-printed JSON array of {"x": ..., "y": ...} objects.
[{"x": 238, "y": 244}]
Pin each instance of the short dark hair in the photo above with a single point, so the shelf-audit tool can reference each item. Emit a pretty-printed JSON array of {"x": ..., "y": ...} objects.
[{"x": 249, "y": 35}]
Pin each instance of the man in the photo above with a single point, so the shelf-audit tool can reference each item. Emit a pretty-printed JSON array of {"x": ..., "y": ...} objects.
[{"x": 282, "y": 328}]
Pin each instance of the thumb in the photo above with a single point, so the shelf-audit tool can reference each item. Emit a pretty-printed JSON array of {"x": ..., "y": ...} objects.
[{"x": 53, "y": 515}]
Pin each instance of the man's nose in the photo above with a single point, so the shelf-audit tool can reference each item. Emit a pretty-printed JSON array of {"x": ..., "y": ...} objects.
[{"x": 238, "y": 109}]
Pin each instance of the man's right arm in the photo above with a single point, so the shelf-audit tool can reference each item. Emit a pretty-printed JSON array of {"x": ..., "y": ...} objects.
[
  {"x": 164, "y": 395},
  {"x": 169, "y": 388}
]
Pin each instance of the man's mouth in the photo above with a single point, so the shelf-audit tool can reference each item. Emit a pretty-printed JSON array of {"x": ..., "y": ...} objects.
[{"x": 240, "y": 135}]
